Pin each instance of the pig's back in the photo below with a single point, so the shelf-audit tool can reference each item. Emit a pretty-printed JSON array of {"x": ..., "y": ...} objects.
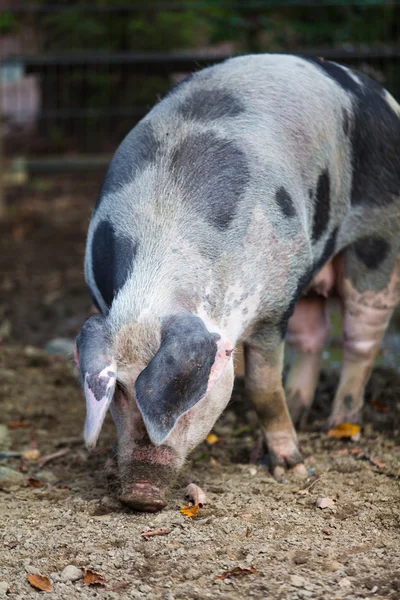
[{"x": 261, "y": 160}]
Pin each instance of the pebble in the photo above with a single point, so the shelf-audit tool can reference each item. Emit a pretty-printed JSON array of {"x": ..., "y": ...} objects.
[
  {"x": 46, "y": 476},
  {"x": 10, "y": 478},
  {"x": 5, "y": 439},
  {"x": 4, "y": 587},
  {"x": 298, "y": 581},
  {"x": 63, "y": 346},
  {"x": 71, "y": 573},
  {"x": 345, "y": 582}
]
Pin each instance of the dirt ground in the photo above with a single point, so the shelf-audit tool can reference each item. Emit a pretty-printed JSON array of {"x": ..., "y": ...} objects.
[{"x": 64, "y": 512}]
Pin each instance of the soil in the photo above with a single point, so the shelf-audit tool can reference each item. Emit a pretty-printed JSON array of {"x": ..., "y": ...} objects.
[{"x": 65, "y": 512}]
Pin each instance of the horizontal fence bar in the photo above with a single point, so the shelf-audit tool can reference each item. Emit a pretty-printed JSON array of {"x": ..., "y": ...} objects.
[
  {"x": 51, "y": 164},
  {"x": 182, "y": 61},
  {"x": 183, "y": 6}
]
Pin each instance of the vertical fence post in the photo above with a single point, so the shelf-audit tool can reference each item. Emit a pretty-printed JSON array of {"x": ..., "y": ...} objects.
[{"x": 2, "y": 162}]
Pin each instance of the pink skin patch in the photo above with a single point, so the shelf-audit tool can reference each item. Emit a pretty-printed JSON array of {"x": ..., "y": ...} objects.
[{"x": 224, "y": 352}]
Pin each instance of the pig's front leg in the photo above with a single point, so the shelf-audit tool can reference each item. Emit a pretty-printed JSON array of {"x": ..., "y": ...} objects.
[{"x": 264, "y": 384}]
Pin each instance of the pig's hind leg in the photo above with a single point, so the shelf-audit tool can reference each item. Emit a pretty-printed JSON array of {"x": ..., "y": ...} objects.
[
  {"x": 263, "y": 378},
  {"x": 369, "y": 288},
  {"x": 307, "y": 332}
]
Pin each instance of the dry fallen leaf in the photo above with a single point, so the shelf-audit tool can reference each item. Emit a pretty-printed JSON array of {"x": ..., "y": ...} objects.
[
  {"x": 344, "y": 430},
  {"x": 34, "y": 483},
  {"x": 325, "y": 502},
  {"x": 213, "y": 462},
  {"x": 236, "y": 572},
  {"x": 189, "y": 511},
  {"x": 302, "y": 492},
  {"x": 212, "y": 439},
  {"x": 18, "y": 424},
  {"x": 148, "y": 533},
  {"x": 31, "y": 454},
  {"x": 379, "y": 406},
  {"x": 93, "y": 578},
  {"x": 249, "y": 532},
  {"x": 195, "y": 495},
  {"x": 40, "y": 582},
  {"x": 378, "y": 463}
]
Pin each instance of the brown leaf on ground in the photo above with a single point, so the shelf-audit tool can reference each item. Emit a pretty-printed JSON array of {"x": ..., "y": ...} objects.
[
  {"x": 213, "y": 462},
  {"x": 195, "y": 495},
  {"x": 344, "y": 430},
  {"x": 302, "y": 492},
  {"x": 34, "y": 483},
  {"x": 236, "y": 572},
  {"x": 40, "y": 582},
  {"x": 189, "y": 511},
  {"x": 249, "y": 532},
  {"x": 93, "y": 578},
  {"x": 212, "y": 439},
  {"x": 376, "y": 462},
  {"x": 325, "y": 502},
  {"x": 18, "y": 424},
  {"x": 148, "y": 533},
  {"x": 378, "y": 406}
]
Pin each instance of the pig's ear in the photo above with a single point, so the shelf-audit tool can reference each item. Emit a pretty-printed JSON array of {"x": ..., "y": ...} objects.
[
  {"x": 187, "y": 365},
  {"x": 99, "y": 375}
]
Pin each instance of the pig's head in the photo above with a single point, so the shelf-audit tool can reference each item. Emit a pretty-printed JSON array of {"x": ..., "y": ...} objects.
[{"x": 163, "y": 407}]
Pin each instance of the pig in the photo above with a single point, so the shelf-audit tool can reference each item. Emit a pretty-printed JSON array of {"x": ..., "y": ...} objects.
[{"x": 249, "y": 195}]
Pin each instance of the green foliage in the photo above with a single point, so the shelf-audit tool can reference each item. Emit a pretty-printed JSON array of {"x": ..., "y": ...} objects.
[
  {"x": 254, "y": 26},
  {"x": 8, "y": 23}
]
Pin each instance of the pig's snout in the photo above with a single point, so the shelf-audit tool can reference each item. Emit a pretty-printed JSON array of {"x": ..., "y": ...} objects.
[
  {"x": 146, "y": 475},
  {"x": 144, "y": 496}
]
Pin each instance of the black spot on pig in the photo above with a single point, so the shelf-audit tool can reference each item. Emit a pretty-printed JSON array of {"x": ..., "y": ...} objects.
[
  {"x": 348, "y": 401},
  {"x": 177, "y": 377},
  {"x": 371, "y": 251},
  {"x": 322, "y": 206},
  {"x": 112, "y": 259},
  {"x": 374, "y": 137},
  {"x": 285, "y": 202},
  {"x": 213, "y": 173},
  {"x": 346, "y": 121},
  {"x": 209, "y": 105},
  {"x": 135, "y": 153}
]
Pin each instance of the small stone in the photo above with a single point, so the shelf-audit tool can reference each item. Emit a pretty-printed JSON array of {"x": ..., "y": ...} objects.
[
  {"x": 4, "y": 587},
  {"x": 46, "y": 476},
  {"x": 63, "y": 346},
  {"x": 10, "y": 478},
  {"x": 71, "y": 573},
  {"x": 297, "y": 581},
  {"x": 345, "y": 582},
  {"x": 31, "y": 454},
  {"x": 5, "y": 439}
]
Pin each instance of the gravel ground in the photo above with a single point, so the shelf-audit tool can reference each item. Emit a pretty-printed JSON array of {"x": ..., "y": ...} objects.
[{"x": 348, "y": 550}]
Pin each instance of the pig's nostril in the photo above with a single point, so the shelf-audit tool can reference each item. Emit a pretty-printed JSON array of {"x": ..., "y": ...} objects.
[{"x": 143, "y": 497}]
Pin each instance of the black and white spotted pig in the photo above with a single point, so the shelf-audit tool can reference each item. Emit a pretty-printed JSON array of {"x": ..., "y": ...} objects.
[{"x": 252, "y": 192}]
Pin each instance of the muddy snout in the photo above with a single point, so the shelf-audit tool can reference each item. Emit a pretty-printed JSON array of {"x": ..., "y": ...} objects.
[{"x": 144, "y": 482}]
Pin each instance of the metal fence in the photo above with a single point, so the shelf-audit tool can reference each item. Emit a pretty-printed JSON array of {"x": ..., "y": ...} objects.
[{"x": 75, "y": 77}]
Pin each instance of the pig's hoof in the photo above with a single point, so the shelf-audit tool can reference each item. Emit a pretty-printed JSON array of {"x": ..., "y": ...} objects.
[
  {"x": 286, "y": 459},
  {"x": 144, "y": 497}
]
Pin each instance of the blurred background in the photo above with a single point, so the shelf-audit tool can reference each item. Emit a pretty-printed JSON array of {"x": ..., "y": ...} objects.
[{"x": 76, "y": 76}]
